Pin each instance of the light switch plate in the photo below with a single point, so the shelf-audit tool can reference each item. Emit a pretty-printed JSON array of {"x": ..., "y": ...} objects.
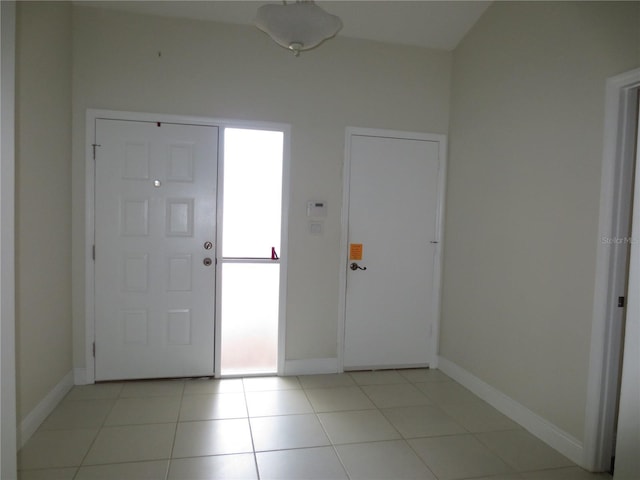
[{"x": 315, "y": 228}]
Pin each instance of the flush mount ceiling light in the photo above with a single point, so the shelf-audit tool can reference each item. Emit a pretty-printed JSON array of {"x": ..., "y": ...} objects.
[{"x": 297, "y": 26}]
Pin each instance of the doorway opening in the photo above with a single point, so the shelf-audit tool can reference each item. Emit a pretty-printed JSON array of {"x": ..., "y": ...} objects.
[
  {"x": 252, "y": 262},
  {"x": 621, "y": 253},
  {"x": 614, "y": 298},
  {"x": 252, "y": 193},
  {"x": 374, "y": 286}
]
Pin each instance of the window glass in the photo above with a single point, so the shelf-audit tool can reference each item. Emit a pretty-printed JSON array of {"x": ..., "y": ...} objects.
[{"x": 252, "y": 193}]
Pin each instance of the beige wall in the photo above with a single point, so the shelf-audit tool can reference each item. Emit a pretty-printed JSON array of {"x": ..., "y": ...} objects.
[
  {"x": 237, "y": 72},
  {"x": 523, "y": 196},
  {"x": 526, "y": 133},
  {"x": 43, "y": 200}
]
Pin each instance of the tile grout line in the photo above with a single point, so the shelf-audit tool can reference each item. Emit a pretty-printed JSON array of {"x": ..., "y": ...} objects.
[
  {"x": 379, "y": 410},
  {"x": 175, "y": 432},
  {"x": 406, "y": 442},
  {"x": 115, "y": 400},
  {"x": 253, "y": 445},
  {"x": 467, "y": 432},
  {"x": 103, "y": 426},
  {"x": 331, "y": 443},
  {"x": 306, "y": 390}
]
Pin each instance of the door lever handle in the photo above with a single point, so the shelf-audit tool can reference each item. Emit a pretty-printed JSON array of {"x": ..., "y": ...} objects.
[{"x": 354, "y": 266}]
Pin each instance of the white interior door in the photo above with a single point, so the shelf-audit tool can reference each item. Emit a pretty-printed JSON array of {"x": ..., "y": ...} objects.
[
  {"x": 155, "y": 210},
  {"x": 390, "y": 309}
]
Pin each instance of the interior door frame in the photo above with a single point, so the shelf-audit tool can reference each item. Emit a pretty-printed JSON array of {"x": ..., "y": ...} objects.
[
  {"x": 8, "y": 420},
  {"x": 92, "y": 115},
  {"x": 284, "y": 238},
  {"x": 620, "y": 124},
  {"x": 344, "y": 236}
]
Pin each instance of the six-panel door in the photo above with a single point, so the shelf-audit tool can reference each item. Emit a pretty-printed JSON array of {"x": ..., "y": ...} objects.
[{"x": 155, "y": 211}]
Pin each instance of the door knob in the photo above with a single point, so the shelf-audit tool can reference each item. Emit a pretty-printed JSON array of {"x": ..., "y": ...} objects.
[
  {"x": 354, "y": 266},
  {"x": 207, "y": 262},
  {"x": 208, "y": 245}
]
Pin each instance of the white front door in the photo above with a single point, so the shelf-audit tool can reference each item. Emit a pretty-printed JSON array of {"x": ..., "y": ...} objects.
[
  {"x": 393, "y": 205},
  {"x": 155, "y": 211}
]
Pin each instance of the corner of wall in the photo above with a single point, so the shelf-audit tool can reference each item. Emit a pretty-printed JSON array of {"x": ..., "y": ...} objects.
[
  {"x": 546, "y": 431},
  {"x": 35, "y": 417}
]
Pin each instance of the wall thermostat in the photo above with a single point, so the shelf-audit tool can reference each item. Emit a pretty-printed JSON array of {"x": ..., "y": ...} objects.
[{"x": 316, "y": 209}]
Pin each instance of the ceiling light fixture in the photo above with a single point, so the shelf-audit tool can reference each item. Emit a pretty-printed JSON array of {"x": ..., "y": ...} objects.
[{"x": 297, "y": 26}]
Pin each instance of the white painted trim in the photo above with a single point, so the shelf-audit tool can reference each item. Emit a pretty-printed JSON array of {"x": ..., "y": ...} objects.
[
  {"x": 549, "y": 433},
  {"x": 219, "y": 219},
  {"x": 184, "y": 119},
  {"x": 376, "y": 132},
  {"x": 387, "y": 366},
  {"x": 439, "y": 253},
  {"x": 89, "y": 274},
  {"x": 344, "y": 247},
  {"x": 284, "y": 243},
  {"x": 35, "y": 417},
  {"x": 284, "y": 248},
  {"x": 344, "y": 234},
  {"x": 602, "y": 376},
  {"x": 627, "y": 466},
  {"x": 311, "y": 366},
  {"x": 91, "y": 116},
  {"x": 8, "y": 446}
]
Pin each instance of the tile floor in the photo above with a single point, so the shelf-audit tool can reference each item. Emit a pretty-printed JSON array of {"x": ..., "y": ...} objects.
[{"x": 401, "y": 424}]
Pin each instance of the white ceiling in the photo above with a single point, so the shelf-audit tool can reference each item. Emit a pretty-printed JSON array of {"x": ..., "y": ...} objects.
[{"x": 425, "y": 23}]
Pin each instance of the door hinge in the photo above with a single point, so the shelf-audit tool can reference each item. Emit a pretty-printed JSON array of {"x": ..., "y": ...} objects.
[
  {"x": 94, "y": 349},
  {"x": 93, "y": 252},
  {"x": 94, "y": 145},
  {"x": 621, "y": 302}
]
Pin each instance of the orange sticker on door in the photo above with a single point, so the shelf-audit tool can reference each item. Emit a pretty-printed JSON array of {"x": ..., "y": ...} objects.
[{"x": 355, "y": 251}]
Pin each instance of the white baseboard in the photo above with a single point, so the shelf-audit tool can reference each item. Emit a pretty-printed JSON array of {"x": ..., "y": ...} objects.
[
  {"x": 549, "y": 433},
  {"x": 34, "y": 419},
  {"x": 311, "y": 366}
]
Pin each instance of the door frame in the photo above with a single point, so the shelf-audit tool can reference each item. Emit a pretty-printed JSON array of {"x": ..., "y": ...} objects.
[
  {"x": 92, "y": 115},
  {"x": 621, "y": 93},
  {"x": 284, "y": 239},
  {"x": 8, "y": 420},
  {"x": 344, "y": 236}
]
